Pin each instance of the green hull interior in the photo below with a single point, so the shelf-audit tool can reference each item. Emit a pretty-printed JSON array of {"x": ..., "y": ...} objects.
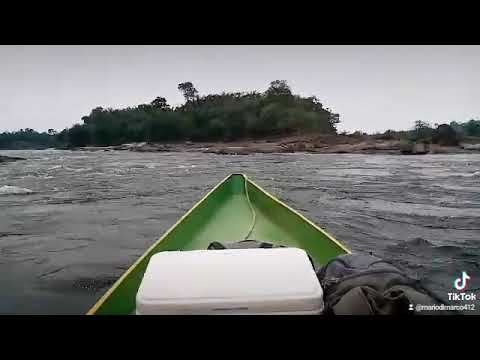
[{"x": 226, "y": 214}]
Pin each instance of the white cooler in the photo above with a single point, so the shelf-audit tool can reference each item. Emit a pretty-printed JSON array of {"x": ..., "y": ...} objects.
[{"x": 233, "y": 281}]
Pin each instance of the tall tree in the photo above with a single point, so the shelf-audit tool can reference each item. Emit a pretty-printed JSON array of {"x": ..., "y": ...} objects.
[
  {"x": 421, "y": 131},
  {"x": 188, "y": 90},
  {"x": 419, "y": 125},
  {"x": 279, "y": 88},
  {"x": 160, "y": 103}
]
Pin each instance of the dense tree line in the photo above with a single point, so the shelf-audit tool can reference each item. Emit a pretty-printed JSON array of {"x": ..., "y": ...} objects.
[
  {"x": 28, "y": 139},
  {"x": 444, "y": 134},
  {"x": 469, "y": 128},
  {"x": 226, "y": 116}
]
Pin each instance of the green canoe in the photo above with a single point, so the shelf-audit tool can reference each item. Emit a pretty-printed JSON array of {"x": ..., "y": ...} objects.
[{"x": 234, "y": 210}]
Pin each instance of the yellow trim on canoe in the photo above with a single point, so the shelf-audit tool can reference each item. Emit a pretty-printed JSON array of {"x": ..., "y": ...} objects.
[
  {"x": 130, "y": 269},
  {"x": 300, "y": 215}
]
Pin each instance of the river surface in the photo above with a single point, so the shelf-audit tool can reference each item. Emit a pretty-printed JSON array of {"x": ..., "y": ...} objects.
[{"x": 72, "y": 222}]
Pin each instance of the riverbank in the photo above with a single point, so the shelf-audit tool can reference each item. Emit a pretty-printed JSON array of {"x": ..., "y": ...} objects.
[{"x": 320, "y": 144}]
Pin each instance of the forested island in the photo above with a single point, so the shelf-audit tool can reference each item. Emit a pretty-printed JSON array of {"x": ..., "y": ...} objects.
[{"x": 273, "y": 121}]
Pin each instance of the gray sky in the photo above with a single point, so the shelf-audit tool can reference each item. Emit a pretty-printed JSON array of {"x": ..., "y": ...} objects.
[{"x": 373, "y": 88}]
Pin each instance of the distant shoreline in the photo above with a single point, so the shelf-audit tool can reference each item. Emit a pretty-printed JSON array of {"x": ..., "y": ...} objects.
[{"x": 318, "y": 144}]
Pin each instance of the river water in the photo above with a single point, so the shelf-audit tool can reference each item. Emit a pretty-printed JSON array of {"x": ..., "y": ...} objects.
[{"x": 72, "y": 222}]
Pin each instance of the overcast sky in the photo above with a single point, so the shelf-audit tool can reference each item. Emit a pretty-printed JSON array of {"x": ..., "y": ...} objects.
[{"x": 373, "y": 88}]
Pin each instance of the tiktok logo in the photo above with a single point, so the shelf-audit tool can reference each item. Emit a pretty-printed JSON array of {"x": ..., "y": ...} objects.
[{"x": 461, "y": 282}]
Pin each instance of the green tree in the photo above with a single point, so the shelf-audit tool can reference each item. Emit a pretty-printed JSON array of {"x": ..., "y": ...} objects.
[
  {"x": 160, "y": 103},
  {"x": 188, "y": 90},
  {"x": 79, "y": 135},
  {"x": 445, "y": 135},
  {"x": 279, "y": 88},
  {"x": 421, "y": 131},
  {"x": 472, "y": 128}
]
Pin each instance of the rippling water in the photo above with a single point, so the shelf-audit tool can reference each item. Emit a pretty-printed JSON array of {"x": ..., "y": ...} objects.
[{"x": 89, "y": 215}]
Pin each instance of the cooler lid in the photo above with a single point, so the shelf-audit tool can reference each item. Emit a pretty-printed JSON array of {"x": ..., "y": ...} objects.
[{"x": 236, "y": 280}]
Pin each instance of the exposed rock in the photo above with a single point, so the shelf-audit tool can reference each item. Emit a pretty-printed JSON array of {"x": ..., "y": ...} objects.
[
  {"x": 122, "y": 147},
  {"x": 360, "y": 148},
  {"x": 420, "y": 149},
  {"x": 438, "y": 149},
  {"x": 264, "y": 148},
  {"x": 322, "y": 144},
  {"x": 93, "y": 148},
  {"x": 470, "y": 146},
  {"x": 296, "y": 147},
  {"x": 149, "y": 147},
  {"x": 4, "y": 159},
  {"x": 415, "y": 149},
  {"x": 14, "y": 190},
  {"x": 229, "y": 151},
  {"x": 391, "y": 145}
]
